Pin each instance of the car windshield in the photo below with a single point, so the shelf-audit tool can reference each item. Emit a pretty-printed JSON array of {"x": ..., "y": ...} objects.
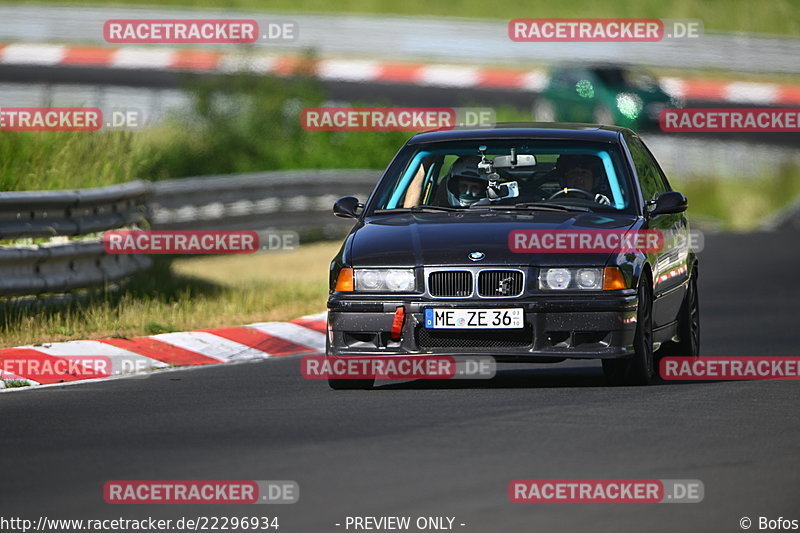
[{"x": 504, "y": 174}]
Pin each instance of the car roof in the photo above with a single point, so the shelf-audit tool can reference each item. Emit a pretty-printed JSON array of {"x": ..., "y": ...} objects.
[
  {"x": 593, "y": 65},
  {"x": 526, "y": 130}
]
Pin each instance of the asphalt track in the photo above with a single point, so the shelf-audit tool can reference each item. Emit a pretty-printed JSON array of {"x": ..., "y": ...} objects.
[{"x": 436, "y": 449}]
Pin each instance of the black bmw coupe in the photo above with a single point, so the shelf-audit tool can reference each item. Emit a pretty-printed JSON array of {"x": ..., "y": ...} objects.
[{"x": 524, "y": 242}]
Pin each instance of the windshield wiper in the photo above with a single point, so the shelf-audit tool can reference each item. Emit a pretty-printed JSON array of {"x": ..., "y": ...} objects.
[
  {"x": 546, "y": 206},
  {"x": 418, "y": 209}
]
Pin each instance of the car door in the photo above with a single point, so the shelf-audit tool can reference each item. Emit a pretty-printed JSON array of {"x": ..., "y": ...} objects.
[{"x": 670, "y": 268}]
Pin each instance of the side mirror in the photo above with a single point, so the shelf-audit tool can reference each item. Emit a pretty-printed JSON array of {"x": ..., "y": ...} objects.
[
  {"x": 346, "y": 207},
  {"x": 667, "y": 203}
]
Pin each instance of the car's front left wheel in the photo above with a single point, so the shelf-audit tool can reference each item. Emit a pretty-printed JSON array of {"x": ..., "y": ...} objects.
[{"x": 639, "y": 369}]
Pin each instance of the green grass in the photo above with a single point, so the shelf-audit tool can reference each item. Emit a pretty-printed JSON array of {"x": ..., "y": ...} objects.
[
  {"x": 60, "y": 160},
  {"x": 776, "y": 16},
  {"x": 183, "y": 295},
  {"x": 738, "y": 204},
  {"x": 15, "y": 383},
  {"x": 254, "y": 126}
]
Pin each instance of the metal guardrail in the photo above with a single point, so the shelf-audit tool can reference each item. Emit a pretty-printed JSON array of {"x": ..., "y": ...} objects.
[
  {"x": 33, "y": 269},
  {"x": 27, "y": 214},
  {"x": 63, "y": 268},
  {"x": 692, "y": 157},
  {"x": 298, "y": 200}
]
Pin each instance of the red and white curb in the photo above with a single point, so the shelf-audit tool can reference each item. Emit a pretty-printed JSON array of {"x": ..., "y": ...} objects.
[
  {"x": 439, "y": 75},
  {"x": 302, "y": 336}
]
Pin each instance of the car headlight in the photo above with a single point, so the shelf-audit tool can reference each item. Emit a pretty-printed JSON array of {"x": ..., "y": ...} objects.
[
  {"x": 571, "y": 278},
  {"x": 368, "y": 280},
  {"x": 384, "y": 280},
  {"x": 589, "y": 278},
  {"x": 556, "y": 278},
  {"x": 630, "y": 105}
]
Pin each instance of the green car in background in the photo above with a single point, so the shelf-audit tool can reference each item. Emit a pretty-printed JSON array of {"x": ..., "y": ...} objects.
[{"x": 602, "y": 94}]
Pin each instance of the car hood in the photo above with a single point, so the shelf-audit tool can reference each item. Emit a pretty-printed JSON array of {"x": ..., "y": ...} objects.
[{"x": 430, "y": 239}]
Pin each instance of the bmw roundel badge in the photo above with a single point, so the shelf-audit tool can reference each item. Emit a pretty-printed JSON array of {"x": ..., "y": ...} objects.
[{"x": 477, "y": 256}]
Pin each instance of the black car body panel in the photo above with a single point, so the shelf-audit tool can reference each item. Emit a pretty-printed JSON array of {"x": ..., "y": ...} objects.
[
  {"x": 419, "y": 239},
  {"x": 569, "y": 324}
]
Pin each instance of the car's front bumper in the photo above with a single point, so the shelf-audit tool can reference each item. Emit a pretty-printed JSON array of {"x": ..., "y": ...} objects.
[{"x": 597, "y": 326}]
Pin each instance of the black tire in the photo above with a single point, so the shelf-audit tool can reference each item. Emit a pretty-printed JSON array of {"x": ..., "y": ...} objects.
[
  {"x": 688, "y": 325},
  {"x": 639, "y": 369},
  {"x": 351, "y": 384}
]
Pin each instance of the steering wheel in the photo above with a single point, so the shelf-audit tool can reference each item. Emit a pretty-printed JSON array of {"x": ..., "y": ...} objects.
[{"x": 567, "y": 190}]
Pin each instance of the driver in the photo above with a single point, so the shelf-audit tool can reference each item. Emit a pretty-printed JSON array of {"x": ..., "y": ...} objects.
[
  {"x": 466, "y": 184},
  {"x": 580, "y": 175}
]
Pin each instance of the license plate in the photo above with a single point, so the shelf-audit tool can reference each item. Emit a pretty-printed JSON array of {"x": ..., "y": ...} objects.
[{"x": 511, "y": 318}]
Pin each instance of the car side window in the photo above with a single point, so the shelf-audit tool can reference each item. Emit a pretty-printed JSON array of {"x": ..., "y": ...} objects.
[
  {"x": 664, "y": 180},
  {"x": 650, "y": 179}
]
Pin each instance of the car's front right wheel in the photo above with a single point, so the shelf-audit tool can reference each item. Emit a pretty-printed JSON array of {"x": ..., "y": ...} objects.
[{"x": 639, "y": 369}]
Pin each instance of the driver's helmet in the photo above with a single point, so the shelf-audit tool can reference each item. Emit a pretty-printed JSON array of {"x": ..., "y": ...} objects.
[
  {"x": 572, "y": 162},
  {"x": 466, "y": 184}
]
